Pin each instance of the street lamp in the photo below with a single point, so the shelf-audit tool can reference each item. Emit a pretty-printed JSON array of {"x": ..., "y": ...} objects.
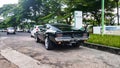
[{"x": 117, "y": 2}]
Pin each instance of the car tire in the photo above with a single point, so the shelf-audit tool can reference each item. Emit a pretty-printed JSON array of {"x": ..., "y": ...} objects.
[
  {"x": 7, "y": 33},
  {"x": 48, "y": 44},
  {"x": 76, "y": 45},
  {"x": 31, "y": 36}
]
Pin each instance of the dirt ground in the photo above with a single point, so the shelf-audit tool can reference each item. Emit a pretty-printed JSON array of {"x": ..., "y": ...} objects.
[
  {"x": 81, "y": 57},
  {"x": 4, "y": 63}
]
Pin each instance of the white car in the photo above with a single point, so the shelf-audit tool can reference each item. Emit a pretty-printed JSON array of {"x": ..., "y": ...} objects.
[
  {"x": 35, "y": 29},
  {"x": 10, "y": 30}
]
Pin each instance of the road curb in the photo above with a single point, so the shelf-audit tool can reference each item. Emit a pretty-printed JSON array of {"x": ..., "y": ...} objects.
[
  {"x": 21, "y": 60},
  {"x": 113, "y": 50}
]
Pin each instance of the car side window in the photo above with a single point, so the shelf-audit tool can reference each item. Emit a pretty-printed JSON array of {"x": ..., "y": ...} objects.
[
  {"x": 43, "y": 29},
  {"x": 44, "y": 26}
]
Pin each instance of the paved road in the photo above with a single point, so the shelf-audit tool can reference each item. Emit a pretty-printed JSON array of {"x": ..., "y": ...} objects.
[{"x": 61, "y": 57}]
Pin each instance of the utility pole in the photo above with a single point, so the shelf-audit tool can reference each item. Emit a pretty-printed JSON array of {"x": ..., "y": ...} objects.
[
  {"x": 117, "y": 2},
  {"x": 102, "y": 16}
]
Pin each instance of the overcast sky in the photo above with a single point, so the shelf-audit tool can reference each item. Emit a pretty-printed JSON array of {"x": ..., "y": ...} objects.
[{"x": 8, "y": 2}]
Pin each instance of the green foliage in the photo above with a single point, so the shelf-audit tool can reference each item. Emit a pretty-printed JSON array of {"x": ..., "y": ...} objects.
[
  {"x": 10, "y": 12},
  {"x": 2, "y": 25},
  {"x": 43, "y": 11},
  {"x": 7, "y": 9},
  {"x": 92, "y": 8},
  {"x": 108, "y": 40}
]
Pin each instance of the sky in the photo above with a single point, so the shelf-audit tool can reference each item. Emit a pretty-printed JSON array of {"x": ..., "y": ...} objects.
[{"x": 8, "y": 2}]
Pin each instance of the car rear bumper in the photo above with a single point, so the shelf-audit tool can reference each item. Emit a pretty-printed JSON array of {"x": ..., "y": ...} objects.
[
  {"x": 10, "y": 32},
  {"x": 68, "y": 39}
]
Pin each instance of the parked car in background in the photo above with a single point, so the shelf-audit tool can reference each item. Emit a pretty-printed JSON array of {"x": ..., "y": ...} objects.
[
  {"x": 11, "y": 30},
  {"x": 35, "y": 29},
  {"x": 20, "y": 30},
  {"x": 3, "y": 30},
  {"x": 61, "y": 34}
]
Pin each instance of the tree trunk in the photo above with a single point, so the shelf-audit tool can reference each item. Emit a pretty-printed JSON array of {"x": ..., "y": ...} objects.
[{"x": 69, "y": 20}]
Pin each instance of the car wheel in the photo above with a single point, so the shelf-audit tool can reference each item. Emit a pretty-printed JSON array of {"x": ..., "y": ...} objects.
[
  {"x": 76, "y": 45},
  {"x": 7, "y": 33},
  {"x": 48, "y": 44},
  {"x": 31, "y": 36}
]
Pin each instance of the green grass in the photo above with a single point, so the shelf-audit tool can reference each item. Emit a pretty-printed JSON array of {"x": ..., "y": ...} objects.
[{"x": 108, "y": 40}]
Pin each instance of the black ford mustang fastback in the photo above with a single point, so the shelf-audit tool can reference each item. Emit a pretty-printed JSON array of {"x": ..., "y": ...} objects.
[{"x": 61, "y": 34}]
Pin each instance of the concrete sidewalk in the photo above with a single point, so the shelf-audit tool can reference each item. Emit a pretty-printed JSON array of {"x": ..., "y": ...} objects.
[{"x": 21, "y": 60}]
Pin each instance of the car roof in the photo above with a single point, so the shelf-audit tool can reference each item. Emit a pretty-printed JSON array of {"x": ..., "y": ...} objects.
[
  {"x": 57, "y": 24},
  {"x": 37, "y": 26}
]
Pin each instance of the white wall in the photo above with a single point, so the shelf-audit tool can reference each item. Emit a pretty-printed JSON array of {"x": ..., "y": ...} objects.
[{"x": 113, "y": 30}]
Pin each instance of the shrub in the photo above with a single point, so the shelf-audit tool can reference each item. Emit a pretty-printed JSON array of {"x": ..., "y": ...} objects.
[{"x": 108, "y": 40}]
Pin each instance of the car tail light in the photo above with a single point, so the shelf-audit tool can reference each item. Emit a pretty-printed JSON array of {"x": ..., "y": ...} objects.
[{"x": 59, "y": 35}]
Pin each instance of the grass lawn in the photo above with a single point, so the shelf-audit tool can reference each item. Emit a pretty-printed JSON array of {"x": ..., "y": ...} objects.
[{"x": 108, "y": 40}]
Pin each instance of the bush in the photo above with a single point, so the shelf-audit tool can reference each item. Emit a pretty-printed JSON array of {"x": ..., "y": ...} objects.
[{"x": 108, "y": 40}]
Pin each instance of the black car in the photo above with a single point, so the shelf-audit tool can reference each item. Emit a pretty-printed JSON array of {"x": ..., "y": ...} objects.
[{"x": 60, "y": 34}]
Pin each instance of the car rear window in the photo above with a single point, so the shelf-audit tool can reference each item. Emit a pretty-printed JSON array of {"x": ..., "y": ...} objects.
[{"x": 64, "y": 27}]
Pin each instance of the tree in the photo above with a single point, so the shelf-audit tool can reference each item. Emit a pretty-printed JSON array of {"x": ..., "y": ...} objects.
[
  {"x": 43, "y": 11},
  {"x": 92, "y": 8},
  {"x": 7, "y": 12}
]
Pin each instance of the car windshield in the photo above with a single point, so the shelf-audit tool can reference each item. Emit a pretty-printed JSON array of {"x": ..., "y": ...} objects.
[{"x": 10, "y": 28}]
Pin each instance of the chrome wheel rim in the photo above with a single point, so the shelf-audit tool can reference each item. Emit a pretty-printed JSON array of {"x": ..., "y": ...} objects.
[{"x": 46, "y": 43}]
